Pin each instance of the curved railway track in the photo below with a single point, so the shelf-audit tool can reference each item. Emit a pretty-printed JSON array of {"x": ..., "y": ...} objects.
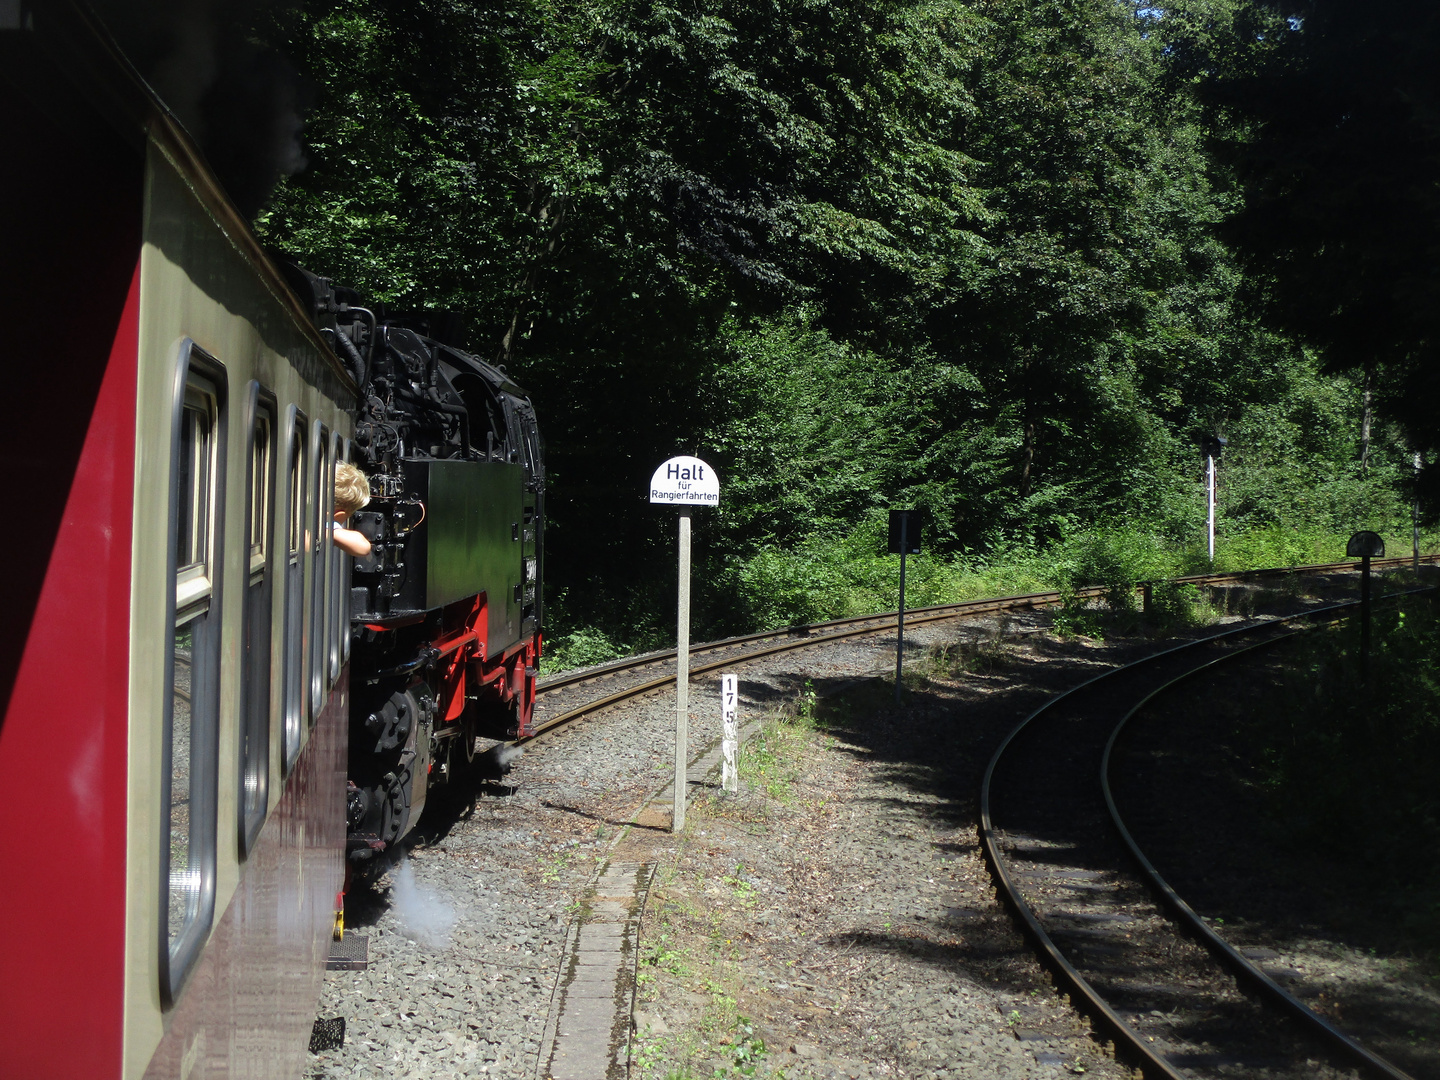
[
  {"x": 571, "y": 695},
  {"x": 1173, "y": 996}
]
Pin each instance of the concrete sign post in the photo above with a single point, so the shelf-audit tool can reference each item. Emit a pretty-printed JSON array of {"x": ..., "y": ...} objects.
[
  {"x": 729, "y": 737},
  {"x": 685, "y": 482},
  {"x": 1210, "y": 505},
  {"x": 1415, "y": 523},
  {"x": 1211, "y": 445},
  {"x": 904, "y": 540}
]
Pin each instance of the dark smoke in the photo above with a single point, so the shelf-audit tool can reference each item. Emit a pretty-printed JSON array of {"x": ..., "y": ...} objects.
[{"x": 241, "y": 101}]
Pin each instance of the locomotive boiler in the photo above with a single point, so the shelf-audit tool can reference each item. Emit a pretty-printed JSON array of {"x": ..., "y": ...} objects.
[{"x": 446, "y": 609}]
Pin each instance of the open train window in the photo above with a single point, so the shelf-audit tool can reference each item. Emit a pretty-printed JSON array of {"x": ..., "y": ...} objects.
[
  {"x": 192, "y": 708},
  {"x": 347, "y": 453},
  {"x": 339, "y": 564},
  {"x": 256, "y": 619},
  {"x": 294, "y": 652},
  {"x": 322, "y": 496}
]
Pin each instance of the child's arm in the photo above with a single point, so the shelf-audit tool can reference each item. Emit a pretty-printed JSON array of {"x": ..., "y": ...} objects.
[{"x": 350, "y": 541}]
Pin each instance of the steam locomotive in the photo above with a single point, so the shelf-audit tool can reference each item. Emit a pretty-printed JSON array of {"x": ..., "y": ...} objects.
[
  {"x": 206, "y": 706},
  {"x": 447, "y": 606}
]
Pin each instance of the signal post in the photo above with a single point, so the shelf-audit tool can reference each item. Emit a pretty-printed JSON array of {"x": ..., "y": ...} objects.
[{"x": 686, "y": 482}]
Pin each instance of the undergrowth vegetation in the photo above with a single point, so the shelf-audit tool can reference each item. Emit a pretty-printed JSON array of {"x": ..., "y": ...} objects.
[
  {"x": 1351, "y": 755},
  {"x": 697, "y": 919},
  {"x": 832, "y": 579},
  {"x": 987, "y": 260}
]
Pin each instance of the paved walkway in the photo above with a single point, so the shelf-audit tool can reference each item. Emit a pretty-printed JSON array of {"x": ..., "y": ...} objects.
[{"x": 588, "y": 1033}]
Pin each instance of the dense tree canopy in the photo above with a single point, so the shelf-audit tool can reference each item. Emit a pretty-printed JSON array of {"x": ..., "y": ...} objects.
[
  {"x": 1336, "y": 139},
  {"x": 997, "y": 258}
]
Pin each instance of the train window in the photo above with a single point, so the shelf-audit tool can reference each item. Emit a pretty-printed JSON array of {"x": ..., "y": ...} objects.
[
  {"x": 339, "y": 563},
  {"x": 294, "y": 652},
  {"x": 323, "y": 497},
  {"x": 261, "y": 480},
  {"x": 259, "y": 590},
  {"x": 347, "y": 452},
  {"x": 191, "y": 727}
]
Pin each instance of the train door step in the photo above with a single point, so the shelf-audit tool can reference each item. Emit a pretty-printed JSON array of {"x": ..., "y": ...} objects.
[{"x": 350, "y": 953}]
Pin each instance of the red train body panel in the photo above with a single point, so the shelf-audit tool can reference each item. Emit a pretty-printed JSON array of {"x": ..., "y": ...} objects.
[{"x": 63, "y": 742}]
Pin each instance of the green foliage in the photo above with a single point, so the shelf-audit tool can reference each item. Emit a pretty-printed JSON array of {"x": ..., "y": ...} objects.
[
  {"x": 1077, "y": 617},
  {"x": 1335, "y": 137},
  {"x": 1115, "y": 559},
  {"x": 1174, "y": 604},
  {"x": 984, "y": 655},
  {"x": 953, "y": 254},
  {"x": 769, "y": 761},
  {"x": 1352, "y": 757},
  {"x": 579, "y": 648}
]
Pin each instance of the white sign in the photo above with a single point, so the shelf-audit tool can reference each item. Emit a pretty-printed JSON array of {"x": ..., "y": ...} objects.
[
  {"x": 729, "y": 706},
  {"x": 686, "y": 480}
]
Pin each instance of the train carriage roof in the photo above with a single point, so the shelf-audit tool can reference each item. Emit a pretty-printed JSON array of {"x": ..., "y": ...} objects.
[{"x": 57, "y": 55}]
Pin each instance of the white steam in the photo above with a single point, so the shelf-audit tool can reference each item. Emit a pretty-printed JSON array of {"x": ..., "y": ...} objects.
[
  {"x": 422, "y": 915},
  {"x": 506, "y": 756}
]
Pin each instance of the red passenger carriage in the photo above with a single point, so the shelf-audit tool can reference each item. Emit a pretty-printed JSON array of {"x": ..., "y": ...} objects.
[{"x": 178, "y": 665}]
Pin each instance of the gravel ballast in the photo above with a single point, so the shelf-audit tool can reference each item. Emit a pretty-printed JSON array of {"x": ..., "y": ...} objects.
[{"x": 832, "y": 920}]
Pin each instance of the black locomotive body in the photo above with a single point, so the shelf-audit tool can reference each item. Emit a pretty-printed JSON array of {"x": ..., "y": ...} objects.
[{"x": 446, "y": 609}]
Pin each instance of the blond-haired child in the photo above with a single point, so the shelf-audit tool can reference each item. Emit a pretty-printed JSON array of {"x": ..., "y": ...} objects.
[{"x": 352, "y": 491}]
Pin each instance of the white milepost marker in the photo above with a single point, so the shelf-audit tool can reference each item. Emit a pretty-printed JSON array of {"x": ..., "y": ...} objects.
[
  {"x": 686, "y": 482},
  {"x": 729, "y": 706},
  {"x": 1210, "y": 503}
]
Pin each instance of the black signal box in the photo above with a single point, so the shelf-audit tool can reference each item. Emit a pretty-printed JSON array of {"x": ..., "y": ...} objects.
[{"x": 913, "y": 521}]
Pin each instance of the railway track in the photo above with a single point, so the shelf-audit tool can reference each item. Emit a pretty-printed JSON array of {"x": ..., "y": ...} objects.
[
  {"x": 572, "y": 695},
  {"x": 1174, "y": 997},
  {"x": 577, "y": 694}
]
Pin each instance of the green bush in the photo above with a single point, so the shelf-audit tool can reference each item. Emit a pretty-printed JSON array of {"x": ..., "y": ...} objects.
[
  {"x": 1115, "y": 559},
  {"x": 1351, "y": 755},
  {"x": 579, "y": 648}
]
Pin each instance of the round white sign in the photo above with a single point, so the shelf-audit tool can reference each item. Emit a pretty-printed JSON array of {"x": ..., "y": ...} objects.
[{"x": 686, "y": 480}]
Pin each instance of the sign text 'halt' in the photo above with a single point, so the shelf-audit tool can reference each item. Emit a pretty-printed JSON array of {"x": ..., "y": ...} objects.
[{"x": 685, "y": 480}]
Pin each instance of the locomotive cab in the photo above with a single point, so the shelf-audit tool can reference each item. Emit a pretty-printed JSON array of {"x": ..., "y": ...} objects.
[{"x": 446, "y": 609}]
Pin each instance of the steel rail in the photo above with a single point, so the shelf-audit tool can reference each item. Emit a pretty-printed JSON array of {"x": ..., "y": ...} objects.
[
  {"x": 804, "y": 637},
  {"x": 1121, "y": 1033},
  {"x": 958, "y": 609},
  {"x": 1222, "y": 949},
  {"x": 646, "y": 687},
  {"x": 882, "y": 621}
]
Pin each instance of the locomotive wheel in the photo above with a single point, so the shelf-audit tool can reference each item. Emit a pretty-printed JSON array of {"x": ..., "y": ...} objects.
[{"x": 469, "y": 734}]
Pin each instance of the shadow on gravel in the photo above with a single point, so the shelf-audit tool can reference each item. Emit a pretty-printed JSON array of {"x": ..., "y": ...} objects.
[
  {"x": 780, "y": 692},
  {"x": 1189, "y": 784},
  {"x": 366, "y": 899},
  {"x": 936, "y": 745},
  {"x": 619, "y": 823},
  {"x": 958, "y": 954}
]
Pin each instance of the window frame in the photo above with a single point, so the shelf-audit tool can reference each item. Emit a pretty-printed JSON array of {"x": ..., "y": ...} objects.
[
  {"x": 257, "y": 654},
  {"x": 347, "y": 451},
  {"x": 295, "y": 652},
  {"x": 193, "y": 597},
  {"x": 335, "y": 608},
  {"x": 316, "y": 656}
]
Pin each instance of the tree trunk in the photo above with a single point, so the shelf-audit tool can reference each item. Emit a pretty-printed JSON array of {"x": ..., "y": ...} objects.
[
  {"x": 1027, "y": 452},
  {"x": 549, "y": 217},
  {"x": 1365, "y": 418}
]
